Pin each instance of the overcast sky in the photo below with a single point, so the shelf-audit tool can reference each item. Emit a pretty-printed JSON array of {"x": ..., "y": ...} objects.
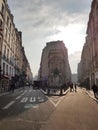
[{"x": 43, "y": 21}]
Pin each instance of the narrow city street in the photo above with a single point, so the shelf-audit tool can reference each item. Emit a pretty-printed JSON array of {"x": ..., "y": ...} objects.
[
  {"x": 49, "y": 65},
  {"x": 29, "y": 109}
]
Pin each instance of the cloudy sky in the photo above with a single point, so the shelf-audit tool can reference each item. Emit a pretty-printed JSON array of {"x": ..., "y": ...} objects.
[{"x": 42, "y": 21}]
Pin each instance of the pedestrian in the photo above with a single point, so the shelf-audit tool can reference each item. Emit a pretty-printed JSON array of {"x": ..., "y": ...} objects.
[
  {"x": 71, "y": 87},
  {"x": 75, "y": 86},
  {"x": 64, "y": 86},
  {"x": 95, "y": 89},
  {"x": 12, "y": 85}
]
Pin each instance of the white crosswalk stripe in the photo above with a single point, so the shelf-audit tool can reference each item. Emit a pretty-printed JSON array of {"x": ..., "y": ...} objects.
[{"x": 24, "y": 99}]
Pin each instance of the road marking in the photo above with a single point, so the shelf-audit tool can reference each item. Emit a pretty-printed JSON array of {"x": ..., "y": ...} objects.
[
  {"x": 24, "y": 99},
  {"x": 8, "y": 105},
  {"x": 36, "y": 106},
  {"x": 21, "y": 94},
  {"x": 40, "y": 99},
  {"x": 30, "y": 90},
  {"x": 18, "y": 97},
  {"x": 28, "y": 106},
  {"x": 53, "y": 101},
  {"x": 32, "y": 99},
  {"x": 24, "y": 92}
]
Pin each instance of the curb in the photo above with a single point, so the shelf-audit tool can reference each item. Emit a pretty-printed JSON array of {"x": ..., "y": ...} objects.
[
  {"x": 5, "y": 93},
  {"x": 92, "y": 96}
]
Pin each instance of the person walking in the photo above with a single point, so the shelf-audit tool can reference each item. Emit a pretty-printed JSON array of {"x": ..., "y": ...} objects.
[
  {"x": 71, "y": 87},
  {"x": 75, "y": 86},
  {"x": 12, "y": 84},
  {"x": 95, "y": 89}
]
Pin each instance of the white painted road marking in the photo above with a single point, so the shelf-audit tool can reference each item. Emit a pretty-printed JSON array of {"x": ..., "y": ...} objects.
[
  {"x": 24, "y": 99},
  {"x": 40, "y": 99},
  {"x": 30, "y": 90},
  {"x": 18, "y": 97},
  {"x": 24, "y": 92},
  {"x": 53, "y": 101},
  {"x": 32, "y": 99},
  {"x": 8, "y": 105}
]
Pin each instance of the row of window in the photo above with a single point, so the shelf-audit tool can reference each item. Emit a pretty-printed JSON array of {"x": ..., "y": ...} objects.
[
  {"x": 7, "y": 70},
  {"x": 10, "y": 26},
  {"x": 8, "y": 21},
  {"x": 9, "y": 39},
  {"x": 8, "y": 55}
]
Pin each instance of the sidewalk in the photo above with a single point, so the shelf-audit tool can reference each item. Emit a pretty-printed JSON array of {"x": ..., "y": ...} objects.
[{"x": 91, "y": 95}]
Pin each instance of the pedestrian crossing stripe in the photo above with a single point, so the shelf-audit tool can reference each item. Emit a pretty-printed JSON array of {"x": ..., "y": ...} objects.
[{"x": 24, "y": 99}]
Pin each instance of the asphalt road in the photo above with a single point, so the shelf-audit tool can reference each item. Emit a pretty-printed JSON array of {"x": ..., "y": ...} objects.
[{"x": 29, "y": 109}]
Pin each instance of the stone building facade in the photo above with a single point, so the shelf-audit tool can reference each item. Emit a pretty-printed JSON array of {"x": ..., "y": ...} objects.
[
  {"x": 13, "y": 61},
  {"x": 54, "y": 66},
  {"x": 89, "y": 58}
]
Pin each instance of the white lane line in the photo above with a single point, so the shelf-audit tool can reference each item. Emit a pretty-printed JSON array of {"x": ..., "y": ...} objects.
[
  {"x": 18, "y": 97},
  {"x": 32, "y": 99},
  {"x": 24, "y": 99},
  {"x": 21, "y": 95},
  {"x": 9, "y": 104}
]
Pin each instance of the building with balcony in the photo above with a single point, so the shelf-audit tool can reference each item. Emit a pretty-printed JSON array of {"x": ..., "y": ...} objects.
[
  {"x": 54, "y": 65},
  {"x": 13, "y": 60},
  {"x": 89, "y": 57}
]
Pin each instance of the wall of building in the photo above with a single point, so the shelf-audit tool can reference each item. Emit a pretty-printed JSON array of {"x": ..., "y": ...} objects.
[
  {"x": 89, "y": 57},
  {"x": 54, "y": 66},
  {"x": 13, "y": 60}
]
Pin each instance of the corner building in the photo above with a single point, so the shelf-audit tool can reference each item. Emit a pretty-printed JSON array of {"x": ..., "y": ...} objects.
[{"x": 54, "y": 66}]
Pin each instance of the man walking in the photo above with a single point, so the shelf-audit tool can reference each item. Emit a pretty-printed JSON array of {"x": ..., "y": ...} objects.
[{"x": 95, "y": 89}]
